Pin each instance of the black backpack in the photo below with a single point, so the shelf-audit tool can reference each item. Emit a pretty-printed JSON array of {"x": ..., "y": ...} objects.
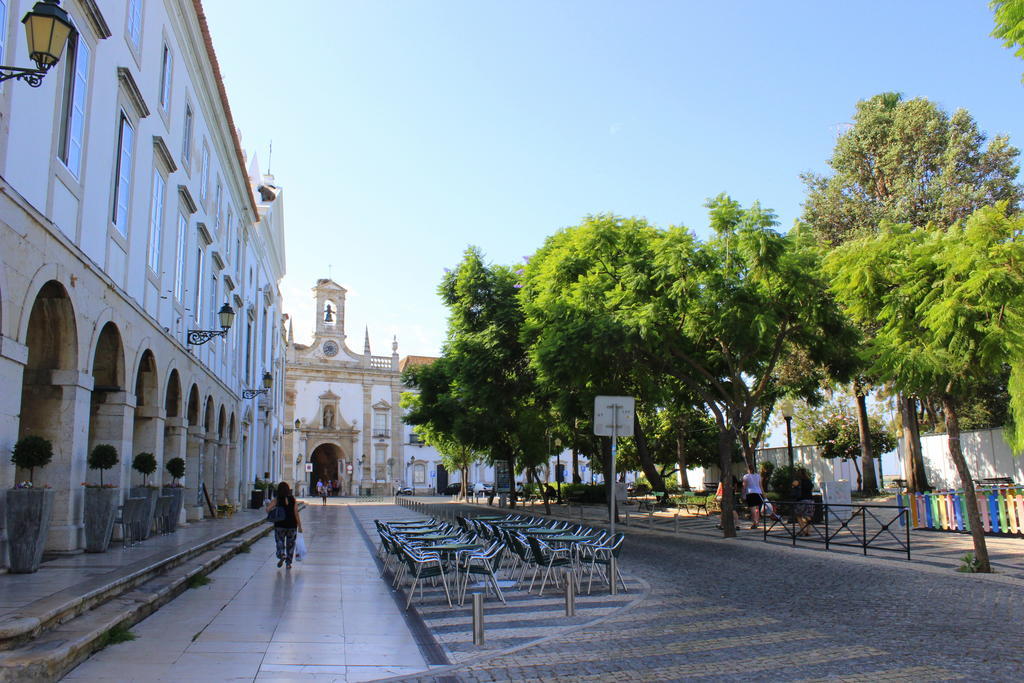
[{"x": 278, "y": 514}]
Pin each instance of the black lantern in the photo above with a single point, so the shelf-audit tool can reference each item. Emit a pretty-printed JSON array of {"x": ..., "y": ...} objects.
[
  {"x": 226, "y": 316},
  {"x": 48, "y": 29}
]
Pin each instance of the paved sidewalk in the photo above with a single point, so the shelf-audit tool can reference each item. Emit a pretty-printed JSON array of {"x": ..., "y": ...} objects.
[
  {"x": 65, "y": 578},
  {"x": 329, "y": 618}
]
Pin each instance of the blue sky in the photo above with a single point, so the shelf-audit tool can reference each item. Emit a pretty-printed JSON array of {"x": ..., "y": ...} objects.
[{"x": 404, "y": 131}]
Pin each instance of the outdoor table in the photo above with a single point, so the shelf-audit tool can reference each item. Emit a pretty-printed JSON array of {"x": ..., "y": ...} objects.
[
  {"x": 415, "y": 532},
  {"x": 450, "y": 547},
  {"x": 569, "y": 538},
  {"x": 488, "y": 518},
  {"x": 542, "y": 531},
  {"x": 518, "y": 525},
  {"x": 436, "y": 537}
]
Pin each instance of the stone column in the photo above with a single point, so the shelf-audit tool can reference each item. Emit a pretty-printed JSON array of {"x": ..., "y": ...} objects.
[
  {"x": 220, "y": 473},
  {"x": 176, "y": 446},
  {"x": 111, "y": 422},
  {"x": 148, "y": 438},
  {"x": 13, "y": 357},
  {"x": 194, "y": 473},
  {"x": 231, "y": 475},
  {"x": 209, "y": 472},
  {"x": 68, "y": 430}
]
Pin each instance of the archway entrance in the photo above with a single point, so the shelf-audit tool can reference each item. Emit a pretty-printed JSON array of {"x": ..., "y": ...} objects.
[{"x": 325, "y": 459}]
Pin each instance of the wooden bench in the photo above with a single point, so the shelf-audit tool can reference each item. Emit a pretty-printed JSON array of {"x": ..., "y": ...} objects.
[
  {"x": 651, "y": 505},
  {"x": 700, "y": 503}
]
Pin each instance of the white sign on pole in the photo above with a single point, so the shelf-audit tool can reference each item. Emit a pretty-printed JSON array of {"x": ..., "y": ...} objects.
[
  {"x": 607, "y": 418},
  {"x": 309, "y": 467}
]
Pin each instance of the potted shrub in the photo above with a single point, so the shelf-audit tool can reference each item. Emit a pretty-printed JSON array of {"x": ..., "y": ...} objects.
[
  {"x": 176, "y": 468},
  {"x": 145, "y": 464},
  {"x": 100, "y": 501},
  {"x": 27, "y": 507}
]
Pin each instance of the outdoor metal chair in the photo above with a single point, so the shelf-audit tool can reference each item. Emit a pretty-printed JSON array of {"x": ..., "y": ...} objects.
[
  {"x": 480, "y": 563},
  {"x": 422, "y": 565},
  {"x": 602, "y": 555},
  {"x": 550, "y": 558}
]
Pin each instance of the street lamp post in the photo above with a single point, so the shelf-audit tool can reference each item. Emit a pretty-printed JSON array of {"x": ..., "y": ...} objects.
[
  {"x": 226, "y": 315},
  {"x": 558, "y": 469},
  {"x": 48, "y": 29},
  {"x": 787, "y": 412},
  {"x": 408, "y": 474}
]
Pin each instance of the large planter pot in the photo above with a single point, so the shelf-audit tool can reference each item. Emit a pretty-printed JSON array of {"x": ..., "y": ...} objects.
[
  {"x": 177, "y": 494},
  {"x": 28, "y": 522},
  {"x": 150, "y": 494},
  {"x": 100, "y": 512}
]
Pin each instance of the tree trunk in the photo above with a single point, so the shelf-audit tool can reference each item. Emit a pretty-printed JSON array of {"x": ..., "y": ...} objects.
[
  {"x": 465, "y": 475},
  {"x": 869, "y": 484},
  {"x": 684, "y": 482},
  {"x": 725, "y": 445},
  {"x": 576, "y": 478},
  {"x": 917, "y": 479},
  {"x": 654, "y": 477},
  {"x": 511, "y": 478},
  {"x": 967, "y": 481}
]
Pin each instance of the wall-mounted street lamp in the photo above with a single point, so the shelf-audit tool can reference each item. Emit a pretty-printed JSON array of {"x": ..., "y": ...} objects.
[
  {"x": 226, "y": 315},
  {"x": 268, "y": 381},
  {"x": 48, "y": 29}
]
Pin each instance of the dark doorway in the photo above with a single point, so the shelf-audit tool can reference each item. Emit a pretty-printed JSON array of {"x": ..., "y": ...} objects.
[
  {"x": 325, "y": 459},
  {"x": 442, "y": 478}
]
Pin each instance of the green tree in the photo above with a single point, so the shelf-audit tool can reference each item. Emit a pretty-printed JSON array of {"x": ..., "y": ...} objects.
[
  {"x": 578, "y": 346},
  {"x": 482, "y": 392},
  {"x": 949, "y": 306},
  {"x": 145, "y": 464},
  {"x": 455, "y": 455},
  {"x": 102, "y": 457},
  {"x": 1009, "y": 19},
  {"x": 837, "y": 435},
  {"x": 905, "y": 161}
]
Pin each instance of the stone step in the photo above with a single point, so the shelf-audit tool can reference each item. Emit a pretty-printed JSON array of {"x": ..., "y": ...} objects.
[
  {"x": 56, "y": 651},
  {"x": 40, "y": 616}
]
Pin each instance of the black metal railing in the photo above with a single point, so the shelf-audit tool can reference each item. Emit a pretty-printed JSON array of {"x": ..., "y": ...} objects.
[
  {"x": 381, "y": 433},
  {"x": 874, "y": 527}
]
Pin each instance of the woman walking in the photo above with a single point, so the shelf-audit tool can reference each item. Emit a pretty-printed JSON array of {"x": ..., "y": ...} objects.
[
  {"x": 754, "y": 493},
  {"x": 286, "y": 529}
]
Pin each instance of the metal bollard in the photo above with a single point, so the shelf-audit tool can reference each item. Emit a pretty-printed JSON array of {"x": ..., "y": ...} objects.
[
  {"x": 650, "y": 518},
  {"x": 612, "y": 573},
  {"x": 478, "y": 618},
  {"x": 570, "y": 597},
  {"x": 675, "y": 521}
]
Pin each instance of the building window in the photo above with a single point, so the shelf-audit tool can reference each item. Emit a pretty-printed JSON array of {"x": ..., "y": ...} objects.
[
  {"x": 3, "y": 30},
  {"x": 419, "y": 474},
  {"x": 135, "y": 22},
  {"x": 186, "y": 143},
  {"x": 166, "y": 65},
  {"x": 218, "y": 197},
  {"x": 380, "y": 424},
  {"x": 156, "y": 220},
  {"x": 204, "y": 176},
  {"x": 123, "y": 176},
  {"x": 213, "y": 293},
  {"x": 72, "y": 127},
  {"x": 248, "y": 351},
  {"x": 179, "y": 263},
  {"x": 230, "y": 227},
  {"x": 197, "y": 307}
]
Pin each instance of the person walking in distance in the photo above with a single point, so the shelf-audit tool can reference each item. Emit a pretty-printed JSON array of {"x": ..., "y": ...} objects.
[
  {"x": 325, "y": 489},
  {"x": 754, "y": 493},
  {"x": 285, "y": 529}
]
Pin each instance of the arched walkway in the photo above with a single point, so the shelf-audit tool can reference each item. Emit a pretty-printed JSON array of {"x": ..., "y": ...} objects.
[
  {"x": 194, "y": 456},
  {"x": 111, "y": 407},
  {"x": 174, "y": 424},
  {"x": 55, "y": 400},
  {"x": 148, "y": 436}
]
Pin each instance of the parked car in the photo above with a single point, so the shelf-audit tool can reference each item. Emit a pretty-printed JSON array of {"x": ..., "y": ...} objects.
[{"x": 452, "y": 489}]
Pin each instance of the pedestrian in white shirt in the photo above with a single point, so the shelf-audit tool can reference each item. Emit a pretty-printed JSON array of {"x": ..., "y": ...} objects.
[{"x": 754, "y": 494}]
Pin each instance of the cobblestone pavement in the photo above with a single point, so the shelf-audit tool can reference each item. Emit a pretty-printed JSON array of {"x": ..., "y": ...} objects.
[{"x": 730, "y": 610}]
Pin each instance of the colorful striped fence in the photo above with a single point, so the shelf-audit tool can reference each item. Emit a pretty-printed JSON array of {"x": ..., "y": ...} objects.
[{"x": 1001, "y": 509}]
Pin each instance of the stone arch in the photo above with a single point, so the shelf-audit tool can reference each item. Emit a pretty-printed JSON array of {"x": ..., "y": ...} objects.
[
  {"x": 327, "y": 459},
  {"x": 53, "y": 402},
  {"x": 193, "y": 406},
  {"x": 234, "y": 476},
  {"x": 172, "y": 395},
  {"x": 148, "y": 429},
  {"x": 46, "y": 281},
  {"x": 209, "y": 415},
  {"x": 109, "y": 404}
]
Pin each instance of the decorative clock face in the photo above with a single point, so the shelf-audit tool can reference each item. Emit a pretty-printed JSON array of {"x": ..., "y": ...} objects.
[{"x": 330, "y": 348}]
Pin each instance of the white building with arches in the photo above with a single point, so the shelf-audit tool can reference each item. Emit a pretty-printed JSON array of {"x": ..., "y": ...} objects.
[{"x": 128, "y": 217}]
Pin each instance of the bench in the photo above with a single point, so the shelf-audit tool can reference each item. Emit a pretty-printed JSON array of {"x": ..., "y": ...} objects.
[{"x": 700, "y": 503}]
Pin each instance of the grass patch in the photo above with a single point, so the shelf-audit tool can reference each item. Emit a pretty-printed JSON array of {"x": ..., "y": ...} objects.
[
  {"x": 118, "y": 634},
  {"x": 198, "y": 581},
  {"x": 245, "y": 548},
  {"x": 969, "y": 564}
]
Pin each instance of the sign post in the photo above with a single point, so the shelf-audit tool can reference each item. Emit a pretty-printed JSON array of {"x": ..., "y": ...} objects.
[{"x": 613, "y": 416}]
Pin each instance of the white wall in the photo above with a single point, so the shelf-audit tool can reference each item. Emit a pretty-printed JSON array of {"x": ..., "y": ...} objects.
[{"x": 986, "y": 451}]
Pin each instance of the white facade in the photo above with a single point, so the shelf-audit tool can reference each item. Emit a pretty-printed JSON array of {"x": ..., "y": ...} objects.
[{"x": 127, "y": 218}]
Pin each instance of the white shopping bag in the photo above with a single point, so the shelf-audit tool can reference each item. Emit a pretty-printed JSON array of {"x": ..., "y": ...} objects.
[{"x": 300, "y": 547}]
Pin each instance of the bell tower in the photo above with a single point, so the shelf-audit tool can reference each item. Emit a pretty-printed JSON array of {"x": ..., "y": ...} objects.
[{"x": 330, "y": 310}]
